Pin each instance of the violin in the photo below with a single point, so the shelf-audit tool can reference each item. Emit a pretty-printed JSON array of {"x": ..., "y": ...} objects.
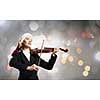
[
  {"x": 47, "y": 50},
  {"x": 36, "y": 51}
]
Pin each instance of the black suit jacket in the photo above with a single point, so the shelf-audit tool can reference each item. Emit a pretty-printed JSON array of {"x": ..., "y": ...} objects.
[{"x": 20, "y": 62}]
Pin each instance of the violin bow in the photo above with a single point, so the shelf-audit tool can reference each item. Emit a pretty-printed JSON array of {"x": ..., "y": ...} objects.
[{"x": 41, "y": 53}]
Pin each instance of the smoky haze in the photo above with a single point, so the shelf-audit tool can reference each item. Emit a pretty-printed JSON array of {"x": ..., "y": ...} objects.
[{"x": 57, "y": 33}]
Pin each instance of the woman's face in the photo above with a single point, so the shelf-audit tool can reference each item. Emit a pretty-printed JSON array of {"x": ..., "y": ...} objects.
[{"x": 28, "y": 41}]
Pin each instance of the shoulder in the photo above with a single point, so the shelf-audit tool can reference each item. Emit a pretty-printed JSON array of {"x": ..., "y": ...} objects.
[{"x": 17, "y": 54}]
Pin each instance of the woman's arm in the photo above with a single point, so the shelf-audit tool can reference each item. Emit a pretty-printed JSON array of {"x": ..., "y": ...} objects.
[
  {"x": 48, "y": 65},
  {"x": 14, "y": 62}
]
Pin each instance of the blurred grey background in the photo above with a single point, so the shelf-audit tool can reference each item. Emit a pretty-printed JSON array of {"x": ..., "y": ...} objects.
[{"x": 82, "y": 37}]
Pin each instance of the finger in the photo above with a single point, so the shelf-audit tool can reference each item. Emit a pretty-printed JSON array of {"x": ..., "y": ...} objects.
[{"x": 35, "y": 68}]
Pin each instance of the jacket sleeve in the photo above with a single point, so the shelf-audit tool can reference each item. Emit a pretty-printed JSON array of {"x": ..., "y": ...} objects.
[
  {"x": 48, "y": 65},
  {"x": 15, "y": 62}
]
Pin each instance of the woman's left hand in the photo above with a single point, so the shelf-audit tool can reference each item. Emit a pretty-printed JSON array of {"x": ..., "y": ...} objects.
[{"x": 55, "y": 50}]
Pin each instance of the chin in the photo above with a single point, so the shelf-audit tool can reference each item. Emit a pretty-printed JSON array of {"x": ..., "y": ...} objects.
[{"x": 28, "y": 46}]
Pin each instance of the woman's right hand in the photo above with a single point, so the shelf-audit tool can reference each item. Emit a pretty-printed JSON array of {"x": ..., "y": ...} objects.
[{"x": 32, "y": 67}]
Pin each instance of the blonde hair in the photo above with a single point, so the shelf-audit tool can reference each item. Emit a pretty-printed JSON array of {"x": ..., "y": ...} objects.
[
  {"x": 24, "y": 36},
  {"x": 21, "y": 40}
]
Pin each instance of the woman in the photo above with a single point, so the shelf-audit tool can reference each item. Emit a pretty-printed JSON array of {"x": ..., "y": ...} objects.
[{"x": 26, "y": 62}]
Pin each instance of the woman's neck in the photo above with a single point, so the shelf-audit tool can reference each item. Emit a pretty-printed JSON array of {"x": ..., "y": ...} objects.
[{"x": 26, "y": 49}]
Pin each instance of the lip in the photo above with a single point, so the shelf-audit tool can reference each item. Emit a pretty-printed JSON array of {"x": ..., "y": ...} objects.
[{"x": 29, "y": 44}]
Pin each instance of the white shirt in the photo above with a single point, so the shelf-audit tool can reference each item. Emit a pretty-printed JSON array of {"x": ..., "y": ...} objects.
[{"x": 27, "y": 54}]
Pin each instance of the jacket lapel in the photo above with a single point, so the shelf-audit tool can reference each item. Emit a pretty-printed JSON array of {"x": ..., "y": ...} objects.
[{"x": 24, "y": 58}]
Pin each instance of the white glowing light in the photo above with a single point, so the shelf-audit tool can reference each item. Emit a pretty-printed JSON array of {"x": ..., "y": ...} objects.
[
  {"x": 97, "y": 56},
  {"x": 63, "y": 61},
  {"x": 80, "y": 62},
  {"x": 64, "y": 58},
  {"x": 68, "y": 43},
  {"x": 85, "y": 73},
  {"x": 70, "y": 58},
  {"x": 87, "y": 68},
  {"x": 75, "y": 40},
  {"x": 92, "y": 36},
  {"x": 33, "y": 26}
]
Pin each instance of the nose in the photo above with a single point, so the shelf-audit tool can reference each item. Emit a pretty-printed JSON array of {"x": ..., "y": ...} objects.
[{"x": 30, "y": 40}]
